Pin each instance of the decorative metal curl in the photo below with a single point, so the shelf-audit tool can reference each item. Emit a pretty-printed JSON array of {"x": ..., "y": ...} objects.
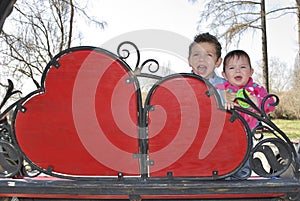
[
  {"x": 260, "y": 113},
  {"x": 286, "y": 156},
  {"x": 10, "y": 160},
  {"x": 28, "y": 170},
  {"x": 9, "y": 92},
  {"x": 265, "y": 99},
  {"x": 127, "y": 52},
  {"x": 271, "y": 157},
  {"x": 138, "y": 69},
  {"x": 149, "y": 66},
  {"x": 258, "y": 133},
  {"x": 247, "y": 100},
  {"x": 5, "y": 130},
  {"x": 262, "y": 108}
]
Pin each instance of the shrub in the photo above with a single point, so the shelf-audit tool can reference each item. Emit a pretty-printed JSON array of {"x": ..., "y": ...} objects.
[{"x": 289, "y": 105}]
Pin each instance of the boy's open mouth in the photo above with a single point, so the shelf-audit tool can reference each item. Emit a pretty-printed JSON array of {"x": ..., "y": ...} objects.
[{"x": 201, "y": 69}]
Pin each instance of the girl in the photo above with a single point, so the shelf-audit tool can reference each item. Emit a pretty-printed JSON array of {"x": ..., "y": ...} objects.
[{"x": 237, "y": 71}]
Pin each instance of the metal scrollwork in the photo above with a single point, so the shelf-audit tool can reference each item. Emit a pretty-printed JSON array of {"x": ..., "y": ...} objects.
[
  {"x": 10, "y": 160},
  {"x": 271, "y": 157},
  {"x": 9, "y": 92},
  {"x": 150, "y": 61},
  {"x": 259, "y": 113},
  {"x": 125, "y": 53},
  {"x": 274, "y": 153},
  {"x": 5, "y": 130},
  {"x": 29, "y": 170}
]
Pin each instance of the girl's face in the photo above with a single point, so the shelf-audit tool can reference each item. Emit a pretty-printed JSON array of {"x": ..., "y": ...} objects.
[
  {"x": 237, "y": 71},
  {"x": 203, "y": 59}
]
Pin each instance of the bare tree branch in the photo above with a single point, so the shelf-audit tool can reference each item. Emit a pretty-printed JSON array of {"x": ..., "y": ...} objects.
[
  {"x": 40, "y": 29},
  {"x": 230, "y": 19}
]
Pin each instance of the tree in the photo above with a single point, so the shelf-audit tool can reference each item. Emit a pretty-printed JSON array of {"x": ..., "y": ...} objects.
[
  {"x": 5, "y": 10},
  {"x": 283, "y": 85},
  {"x": 280, "y": 76},
  {"x": 298, "y": 17},
  {"x": 296, "y": 75},
  {"x": 36, "y": 31},
  {"x": 298, "y": 14},
  {"x": 232, "y": 18}
]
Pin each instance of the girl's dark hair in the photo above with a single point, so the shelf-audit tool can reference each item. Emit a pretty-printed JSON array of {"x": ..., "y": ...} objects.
[
  {"x": 235, "y": 53},
  {"x": 207, "y": 37}
]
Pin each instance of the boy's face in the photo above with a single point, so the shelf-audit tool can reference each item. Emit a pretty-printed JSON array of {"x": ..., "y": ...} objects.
[
  {"x": 237, "y": 71},
  {"x": 203, "y": 59}
]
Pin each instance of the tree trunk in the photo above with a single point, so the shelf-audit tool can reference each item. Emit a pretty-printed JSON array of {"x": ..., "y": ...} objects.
[
  {"x": 264, "y": 46},
  {"x": 71, "y": 24},
  {"x": 297, "y": 65},
  {"x": 298, "y": 14}
]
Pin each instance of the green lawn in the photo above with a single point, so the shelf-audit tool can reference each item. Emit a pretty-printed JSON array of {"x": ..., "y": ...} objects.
[{"x": 290, "y": 127}]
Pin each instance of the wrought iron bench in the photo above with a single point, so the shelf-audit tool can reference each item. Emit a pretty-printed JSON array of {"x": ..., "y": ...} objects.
[{"x": 88, "y": 133}]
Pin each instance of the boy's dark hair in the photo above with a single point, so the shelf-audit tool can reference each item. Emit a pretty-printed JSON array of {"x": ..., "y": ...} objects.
[
  {"x": 238, "y": 54},
  {"x": 207, "y": 37}
]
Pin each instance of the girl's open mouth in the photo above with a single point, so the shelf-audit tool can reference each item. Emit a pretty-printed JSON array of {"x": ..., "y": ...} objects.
[{"x": 238, "y": 78}]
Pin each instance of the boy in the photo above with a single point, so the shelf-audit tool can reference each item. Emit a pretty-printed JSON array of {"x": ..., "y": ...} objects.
[{"x": 205, "y": 56}]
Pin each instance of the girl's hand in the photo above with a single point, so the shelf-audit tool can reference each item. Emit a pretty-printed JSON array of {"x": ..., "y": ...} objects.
[
  {"x": 229, "y": 96},
  {"x": 229, "y": 105}
]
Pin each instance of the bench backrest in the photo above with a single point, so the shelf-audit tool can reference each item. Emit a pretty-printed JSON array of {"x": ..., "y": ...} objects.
[{"x": 88, "y": 120}]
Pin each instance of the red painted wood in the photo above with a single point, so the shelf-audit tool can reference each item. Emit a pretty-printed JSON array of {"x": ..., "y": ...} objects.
[
  {"x": 86, "y": 121},
  {"x": 189, "y": 135}
]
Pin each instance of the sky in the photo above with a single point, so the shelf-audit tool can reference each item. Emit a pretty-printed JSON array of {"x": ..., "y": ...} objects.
[
  {"x": 123, "y": 16},
  {"x": 163, "y": 30},
  {"x": 126, "y": 18},
  {"x": 180, "y": 17}
]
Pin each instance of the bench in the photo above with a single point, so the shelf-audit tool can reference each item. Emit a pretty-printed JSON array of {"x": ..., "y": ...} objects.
[{"x": 89, "y": 133}]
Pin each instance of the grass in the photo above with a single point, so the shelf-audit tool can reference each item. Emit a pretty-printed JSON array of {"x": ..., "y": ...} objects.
[{"x": 290, "y": 127}]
